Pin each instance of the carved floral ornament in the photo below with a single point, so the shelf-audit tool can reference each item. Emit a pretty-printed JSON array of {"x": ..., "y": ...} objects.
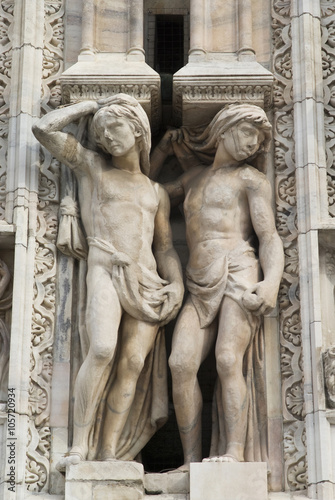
[
  {"x": 43, "y": 318},
  {"x": 329, "y": 375},
  {"x": 289, "y": 302},
  {"x": 291, "y": 352}
]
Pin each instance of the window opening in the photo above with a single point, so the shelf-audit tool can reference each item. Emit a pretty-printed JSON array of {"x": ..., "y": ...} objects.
[{"x": 169, "y": 50}]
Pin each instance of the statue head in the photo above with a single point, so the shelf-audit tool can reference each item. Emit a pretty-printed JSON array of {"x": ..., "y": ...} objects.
[
  {"x": 128, "y": 108},
  {"x": 205, "y": 144},
  {"x": 233, "y": 115}
]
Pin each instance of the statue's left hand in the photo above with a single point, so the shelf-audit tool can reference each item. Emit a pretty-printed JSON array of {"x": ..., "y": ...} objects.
[
  {"x": 172, "y": 301},
  {"x": 259, "y": 299}
]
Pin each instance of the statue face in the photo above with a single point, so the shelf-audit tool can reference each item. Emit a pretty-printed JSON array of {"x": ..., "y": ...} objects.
[
  {"x": 243, "y": 140},
  {"x": 115, "y": 135}
]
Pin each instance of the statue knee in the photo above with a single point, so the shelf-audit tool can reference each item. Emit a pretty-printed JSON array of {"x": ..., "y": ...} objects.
[
  {"x": 181, "y": 368},
  {"x": 102, "y": 353},
  {"x": 226, "y": 363},
  {"x": 131, "y": 366}
]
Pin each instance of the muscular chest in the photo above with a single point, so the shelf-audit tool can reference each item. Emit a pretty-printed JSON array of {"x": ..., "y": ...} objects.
[
  {"x": 216, "y": 190},
  {"x": 131, "y": 190}
]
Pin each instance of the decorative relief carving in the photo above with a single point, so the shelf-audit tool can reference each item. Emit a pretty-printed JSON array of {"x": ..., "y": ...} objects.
[
  {"x": 37, "y": 463},
  {"x": 328, "y": 66},
  {"x": 144, "y": 93},
  {"x": 289, "y": 303},
  {"x": 329, "y": 375},
  {"x": 260, "y": 95},
  {"x": 42, "y": 342},
  {"x": 5, "y": 321},
  {"x": 6, "y": 19}
]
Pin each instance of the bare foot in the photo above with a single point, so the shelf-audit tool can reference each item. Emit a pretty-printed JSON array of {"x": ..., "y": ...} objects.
[
  {"x": 73, "y": 457},
  {"x": 221, "y": 458}
]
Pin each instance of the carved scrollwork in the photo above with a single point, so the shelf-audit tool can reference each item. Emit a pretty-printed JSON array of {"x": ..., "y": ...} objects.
[
  {"x": 289, "y": 303},
  {"x": 259, "y": 94},
  {"x": 329, "y": 375},
  {"x": 328, "y": 68},
  {"x": 6, "y": 20},
  {"x": 294, "y": 455},
  {"x": 42, "y": 342},
  {"x": 145, "y": 93}
]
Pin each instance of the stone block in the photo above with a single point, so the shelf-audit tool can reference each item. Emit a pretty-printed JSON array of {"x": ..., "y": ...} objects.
[
  {"x": 105, "y": 481},
  {"x": 228, "y": 481},
  {"x": 78, "y": 491},
  {"x": 171, "y": 482},
  {"x": 105, "y": 471},
  {"x": 116, "y": 492}
]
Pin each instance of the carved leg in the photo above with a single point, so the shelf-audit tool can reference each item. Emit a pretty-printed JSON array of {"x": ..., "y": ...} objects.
[
  {"x": 233, "y": 339},
  {"x": 137, "y": 339},
  {"x": 190, "y": 346}
]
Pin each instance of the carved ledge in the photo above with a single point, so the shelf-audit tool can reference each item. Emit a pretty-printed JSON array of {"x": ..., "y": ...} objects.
[
  {"x": 107, "y": 76},
  {"x": 200, "y": 90}
]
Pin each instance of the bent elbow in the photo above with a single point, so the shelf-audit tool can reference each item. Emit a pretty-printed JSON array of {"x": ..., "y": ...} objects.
[{"x": 39, "y": 132}]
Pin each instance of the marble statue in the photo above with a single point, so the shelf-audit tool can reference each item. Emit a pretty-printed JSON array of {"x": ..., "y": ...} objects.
[
  {"x": 134, "y": 279},
  {"x": 233, "y": 276}
]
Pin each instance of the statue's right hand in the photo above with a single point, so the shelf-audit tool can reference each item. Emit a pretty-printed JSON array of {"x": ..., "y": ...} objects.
[
  {"x": 120, "y": 259},
  {"x": 171, "y": 136}
]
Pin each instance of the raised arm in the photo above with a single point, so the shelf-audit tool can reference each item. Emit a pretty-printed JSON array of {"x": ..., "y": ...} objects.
[
  {"x": 271, "y": 254},
  {"x": 63, "y": 146},
  {"x": 168, "y": 263},
  {"x": 172, "y": 143}
]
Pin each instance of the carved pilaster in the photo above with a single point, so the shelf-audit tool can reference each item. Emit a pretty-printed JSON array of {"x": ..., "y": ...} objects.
[{"x": 289, "y": 300}]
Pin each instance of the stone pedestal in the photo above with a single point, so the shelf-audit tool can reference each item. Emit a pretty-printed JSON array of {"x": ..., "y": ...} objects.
[
  {"x": 228, "y": 481},
  {"x": 174, "y": 485},
  {"x": 201, "y": 89},
  {"x": 110, "y": 74},
  {"x": 105, "y": 481}
]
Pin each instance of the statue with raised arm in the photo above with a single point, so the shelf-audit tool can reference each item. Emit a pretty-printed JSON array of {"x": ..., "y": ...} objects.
[
  {"x": 134, "y": 281},
  {"x": 233, "y": 276}
]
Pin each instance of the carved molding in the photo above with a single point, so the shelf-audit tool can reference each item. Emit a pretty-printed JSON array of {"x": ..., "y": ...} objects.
[
  {"x": 329, "y": 375},
  {"x": 43, "y": 318},
  {"x": 289, "y": 302},
  {"x": 6, "y": 19},
  {"x": 147, "y": 94},
  {"x": 328, "y": 66},
  {"x": 41, "y": 347},
  {"x": 194, "y": 92}
]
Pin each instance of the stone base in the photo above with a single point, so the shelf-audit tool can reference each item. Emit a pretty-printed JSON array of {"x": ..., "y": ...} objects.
[
  {"x": 201, "y": 89},
  {"x": 228, "y": 481},
  {"x": 170, "y": 483},
  {"x": 105, "y": 481},
  {"x": 110, "y": 74}
]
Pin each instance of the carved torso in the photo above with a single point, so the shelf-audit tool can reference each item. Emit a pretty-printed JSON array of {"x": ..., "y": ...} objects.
[
  {"x": 120, "y": 207},
  {"x": 216, "y": 212}
]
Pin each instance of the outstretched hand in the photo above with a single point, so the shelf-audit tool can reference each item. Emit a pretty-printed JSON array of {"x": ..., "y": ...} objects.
[{"x": 260, "y": 299}]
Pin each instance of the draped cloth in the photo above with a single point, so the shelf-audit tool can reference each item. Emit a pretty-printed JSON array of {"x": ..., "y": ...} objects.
[
  {"x": 227, "y": 276},
  {"x": 136, "y": 287}
]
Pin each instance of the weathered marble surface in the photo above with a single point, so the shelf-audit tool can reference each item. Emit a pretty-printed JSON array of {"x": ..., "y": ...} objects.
[
  {"x": 233, "y": 481},
  {"x": 226, "y": 204},
  {"x": 126, "y": 222}
]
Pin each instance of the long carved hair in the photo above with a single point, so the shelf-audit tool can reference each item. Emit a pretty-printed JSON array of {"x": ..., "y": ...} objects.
[
  {"x": 125, "y": 106},
  {"x": 204, "y": 144}
]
